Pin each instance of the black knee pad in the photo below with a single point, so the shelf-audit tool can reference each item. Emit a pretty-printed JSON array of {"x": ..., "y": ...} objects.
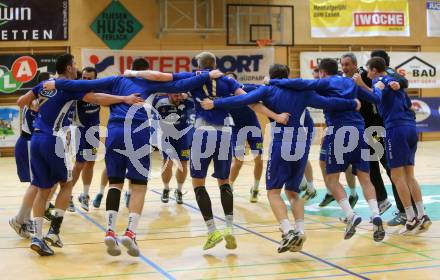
[
  {"x": 114, "y": 181},
  {"x": 139, "y": 182}
]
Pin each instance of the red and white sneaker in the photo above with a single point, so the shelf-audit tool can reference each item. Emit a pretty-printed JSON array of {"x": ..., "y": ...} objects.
[
  {"x": 111, "y": 242},
  {"x": 129, "y": 241}
]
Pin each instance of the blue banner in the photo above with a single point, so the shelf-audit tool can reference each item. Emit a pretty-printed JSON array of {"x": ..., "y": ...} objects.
[{"x": 427, "y": 113}]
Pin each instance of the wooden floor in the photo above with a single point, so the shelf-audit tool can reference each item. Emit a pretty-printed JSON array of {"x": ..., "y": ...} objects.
[{"x": 171, "y": 239}]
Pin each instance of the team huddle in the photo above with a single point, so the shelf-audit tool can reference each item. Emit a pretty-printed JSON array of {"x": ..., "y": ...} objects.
[{"x": 207, "y": 116}]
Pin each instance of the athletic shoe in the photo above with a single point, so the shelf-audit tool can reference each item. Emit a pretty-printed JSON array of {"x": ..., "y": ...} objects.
[
  {"x": 299, "y": 242},
  {"x": 384, "y": 205},
  {"x": 41, "y": 247},
  {"x": 343, "y": 220},
  {"x": 353, "y": 199},
  {"x": 20, "y": 229},
  {"x": 328, "y": 198},
  {"x": 97, "y": 200},
  {"x": 308, "y": 195},
  {"x": 214, "y": 238},
  {"x": 129, "y": 241},
  {"x": 179, "y": 196},
  {"x": 165, "y": 195},
  {"x": 352, "y": 223},
  {"x": 127, "y": 199},
  {"x": 378, "y": 231},
  {"x": 112, "y": 243},
  {"x": 84, "y": 200},
  {"x": 410, "y": 227},
  {"x": 302, "y": 187},
  {"x": 71, "y": 207},
  {"x": 399, "y": 219},
  {"x": 231, "y": 243},
  {"x": 254, "y": 195},
  {"x": 287, "y": 242},
  {"x": 424, "y": 224},
  {"x": 48, "y": 214},
  {"x": 29, "y": 227},
  {"x": 53, "y": 238}
]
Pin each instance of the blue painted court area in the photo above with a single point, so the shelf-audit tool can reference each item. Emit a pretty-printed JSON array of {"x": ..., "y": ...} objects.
[{"x": 431, "y": 199}]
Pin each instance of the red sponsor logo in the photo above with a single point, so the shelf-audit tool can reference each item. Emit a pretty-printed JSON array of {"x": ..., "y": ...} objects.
[{"x": 379, "y": 19}]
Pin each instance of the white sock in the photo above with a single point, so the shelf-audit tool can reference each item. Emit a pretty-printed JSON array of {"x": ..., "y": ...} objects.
[
  {"x": 111, "y": 216},
  {"x": 211, "y": 225},
  {"x": 299, "y": 226},
  {"x": 58, "y": 212},
  {"x": 38, "y": 224},
  {"x": 231, "y": 183},
  {"x": 23, "y": 214},
  {"x": 179, "y": 186},
  {"x": 345, "y": 205},
  {"x": 420, "y": 209},
  {"x": 86, "y": 189},
  {"x": 101, "y": 189},
  {"x": 329, "y": 192},
  {"x": 372, "y": 203},
  {"x": 310, "y": 187},
  {"x": 229, "y": 220},
  {"x": 353, "y": 192},
  {"x": 133, "y": 221},
  {"x": 166, "y": 186},
  {"x": 285, "y": 226},
  {"x": 256, "y": 184},
  {"x": 409, "y": 211}
]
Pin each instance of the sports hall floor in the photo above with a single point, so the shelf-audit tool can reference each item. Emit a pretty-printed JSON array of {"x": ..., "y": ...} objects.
[{"x": 171, "y": 237}]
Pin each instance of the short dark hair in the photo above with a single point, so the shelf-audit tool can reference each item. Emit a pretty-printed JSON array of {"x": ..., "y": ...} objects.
[
  {"x": 329, "y": 66},
  {"x": 90, "y": 69},
  {"x": 279, "y": 71},
  {"x": 315, "y": 70},
  {"x": 383, "y": 54},
  {"x": 140, "y": 64},
  {"x": 377, "y": 63},
  {"x": 231, "y": 74},
  {"x": 62, "y": 62},
  {"x": 43, "y": 76}
]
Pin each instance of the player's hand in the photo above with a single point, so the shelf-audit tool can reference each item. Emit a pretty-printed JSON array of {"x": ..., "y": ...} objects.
[
  {"x": 358, "y": 104},
  {"x": 215, "y": 74},
  {"x": 282, "y": 118},
  {"x": 49, "y": 85},
  {"x": 379, "y": 85},
  {"x": 358, "y": 79},
  {"x": 394, "y": 85},
  {"x": 266, "y": 80},
  {"x": 134, "y": 99},
  {"x": 207, "y": 104}
]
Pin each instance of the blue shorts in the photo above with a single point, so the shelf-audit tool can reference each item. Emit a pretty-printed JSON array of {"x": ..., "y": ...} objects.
[
  {"x": 134, "y": 161},
  {"x": 287, "y": 172},
  {"x": 324, "y": 145},
  {"x": 208, "y": 146},
  {"x": 239, "y": 145},
  {"x": 22, "y": 159},
  {"x": 336, "y": 162},
  {"x": 176, "y": 149},
  {"x": 401, "y": 146},
  {"x": 48, "y": 167},
  {"x": 88, "y": 150}
]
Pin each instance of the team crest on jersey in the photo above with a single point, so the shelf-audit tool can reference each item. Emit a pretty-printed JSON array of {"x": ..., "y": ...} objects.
[{"x": 48, "y": 93}]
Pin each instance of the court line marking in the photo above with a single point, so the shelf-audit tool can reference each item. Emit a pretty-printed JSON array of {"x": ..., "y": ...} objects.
[
  {"x": 276, "y": 242},
  {"x": 142, "y": 257}
]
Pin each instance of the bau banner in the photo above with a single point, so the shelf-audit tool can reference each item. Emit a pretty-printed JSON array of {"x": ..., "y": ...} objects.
[
  {"x": 433, "y": 18},
  {"x": 359, "y": 18},
  {"x": 19, "y": 73},
  {"x": 250, "y": 65},
  {"x": 420, "y": 68},
  {"x": 22, "y": 20},
  {"x": 427, "y": 113}
]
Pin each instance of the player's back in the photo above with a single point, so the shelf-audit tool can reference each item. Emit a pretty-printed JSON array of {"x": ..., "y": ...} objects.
[{"x": 245, "y": 116}]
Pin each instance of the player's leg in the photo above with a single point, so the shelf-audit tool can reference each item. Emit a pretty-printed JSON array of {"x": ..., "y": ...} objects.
[
  {"x": 256, "y": 147},
  {"x": 86, "y": 176},
  {"x": 22, "y": 223},
  {"x": 238, "y": 151},
  {"x": 424, "y": 220},
  {"x": 351, "y": 182},
  {"x": 379, "y": 186},
  {"x": 328, "y": 198},
  {"x": 235, "y": 170},
  {"x": 76, "y": 172},
  {"x": 167, "y": 174},
  {"x": 38, "y": 244},
  {"x": 297, "y": 206},
  {"x": 181, "y": 174},
  {"x": 310, "y": 190},
  {"x": 100, "y": 194}
]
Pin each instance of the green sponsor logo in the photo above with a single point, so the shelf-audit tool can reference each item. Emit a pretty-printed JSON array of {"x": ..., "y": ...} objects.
[{"x": 116, "y": 26}]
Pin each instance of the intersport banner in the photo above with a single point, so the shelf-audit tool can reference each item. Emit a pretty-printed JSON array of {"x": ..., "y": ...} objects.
[
  {"x": 420, "y": 68},
  {"x": 433, "y": 18},
  {"x": 359, "y": 18},
  {"x": 251, "y": 65}
]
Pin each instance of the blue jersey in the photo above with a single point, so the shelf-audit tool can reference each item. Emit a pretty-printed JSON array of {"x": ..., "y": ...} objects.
[
  {"x": 279, "y": 100},
  {"x": 27, "y": 120},
  {"x": 126, "y": 86},
  {"x": 87, "y": 114},
  {"x": 56, "y": 108},
  {"x": 179, "y": 113},
  {"x": 219, "y": 88},
  {"x": 245, "y": 116},
  {"x": 394, "y": 106},
  {"x": 334, "y": 86}
]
